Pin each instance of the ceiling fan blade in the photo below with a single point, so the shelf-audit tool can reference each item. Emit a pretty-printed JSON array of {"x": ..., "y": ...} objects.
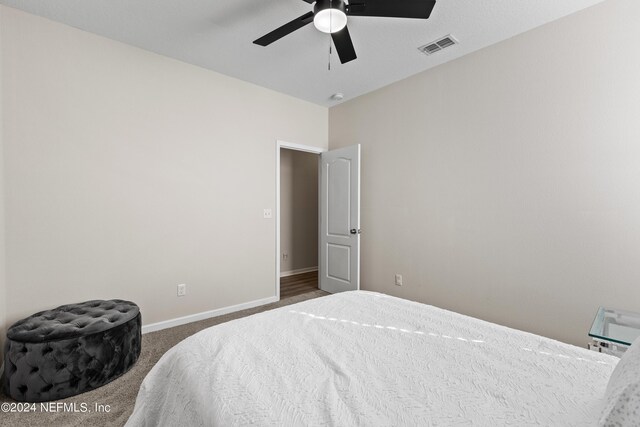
[
  {"x": 420, "y": 9},
  {"x": 344, "y": 45},
  {"x": 286, "y": 29}
]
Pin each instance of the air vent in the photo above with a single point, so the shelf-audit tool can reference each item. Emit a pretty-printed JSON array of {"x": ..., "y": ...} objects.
[{"x": 438, "y": 45}]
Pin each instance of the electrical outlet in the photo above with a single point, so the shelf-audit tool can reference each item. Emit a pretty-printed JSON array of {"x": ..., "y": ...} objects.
[
  {"x": 266, "y": 213},
  {"x": 398, "y": 279},
  {"x": 182, "y": 290},
  {"x": 285, "y": 255}
]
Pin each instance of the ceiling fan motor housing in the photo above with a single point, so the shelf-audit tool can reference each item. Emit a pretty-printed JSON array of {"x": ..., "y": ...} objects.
[
  {"x": 326, "y": 4},
  {"x": 329, "y": 16}
]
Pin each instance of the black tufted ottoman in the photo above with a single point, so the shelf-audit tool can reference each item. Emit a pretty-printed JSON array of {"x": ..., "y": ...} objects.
[{"x": 71, "y": 349}]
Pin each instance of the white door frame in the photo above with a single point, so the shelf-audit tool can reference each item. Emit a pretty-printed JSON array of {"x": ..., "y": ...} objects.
[{"x": 297, "y": 147}]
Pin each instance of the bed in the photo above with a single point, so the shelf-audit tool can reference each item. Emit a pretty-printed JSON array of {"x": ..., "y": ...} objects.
[{"x": 364, "y": 358}]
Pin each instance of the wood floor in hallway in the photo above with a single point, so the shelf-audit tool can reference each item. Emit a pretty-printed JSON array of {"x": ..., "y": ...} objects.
[{"x": 299, "y": 284}]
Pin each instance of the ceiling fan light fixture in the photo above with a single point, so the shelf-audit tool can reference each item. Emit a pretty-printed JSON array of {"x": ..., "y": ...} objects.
[
  {"x": 330, "y": 16},
  {"x": 330, "y": 20}
]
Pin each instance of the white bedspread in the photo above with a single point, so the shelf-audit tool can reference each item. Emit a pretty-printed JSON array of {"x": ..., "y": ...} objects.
[{"x": 362, "y": 358}]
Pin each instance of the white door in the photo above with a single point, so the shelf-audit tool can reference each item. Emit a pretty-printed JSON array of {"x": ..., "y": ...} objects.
[{"x": 339, "y": 268}]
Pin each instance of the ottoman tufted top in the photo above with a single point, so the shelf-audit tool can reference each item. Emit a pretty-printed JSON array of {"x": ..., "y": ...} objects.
[{"x": 73, "y": 320}]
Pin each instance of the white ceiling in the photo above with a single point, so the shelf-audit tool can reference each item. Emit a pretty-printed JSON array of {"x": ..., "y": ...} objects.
[{"x": 218, "y": 34}]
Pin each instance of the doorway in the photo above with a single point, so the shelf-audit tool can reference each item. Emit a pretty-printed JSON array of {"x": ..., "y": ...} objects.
[
  {"x": 298, "y": 222},
  {"x": 297, "y": 219},
  {"x": 335, "y": 211}
]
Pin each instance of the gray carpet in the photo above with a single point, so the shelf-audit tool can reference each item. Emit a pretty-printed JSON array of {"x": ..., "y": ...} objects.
[{"x": 120, "y": 394}]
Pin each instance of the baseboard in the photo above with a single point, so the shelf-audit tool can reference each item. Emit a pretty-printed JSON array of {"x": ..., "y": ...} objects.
[
  {"x": 153, "y": 327},
  {"x": 299, "y": 271}
]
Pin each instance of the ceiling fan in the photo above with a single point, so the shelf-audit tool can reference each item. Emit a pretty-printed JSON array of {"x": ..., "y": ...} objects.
[{"x": 330, "y": 16}]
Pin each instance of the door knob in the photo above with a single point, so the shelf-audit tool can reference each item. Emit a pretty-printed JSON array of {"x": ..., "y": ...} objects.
[{"x": 356, "y": 231}]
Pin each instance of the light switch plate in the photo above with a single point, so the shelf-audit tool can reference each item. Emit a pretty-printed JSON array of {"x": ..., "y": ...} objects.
[{"x": 398, "y": 279}]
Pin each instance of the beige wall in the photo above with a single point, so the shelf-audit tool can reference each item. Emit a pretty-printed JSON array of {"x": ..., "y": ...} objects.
[
  {"x": 3, "y": 295},
  {"x": 128, "y": 173},
  {"x": 506, "y": 184},
  {"x": 298, "y": 210}
]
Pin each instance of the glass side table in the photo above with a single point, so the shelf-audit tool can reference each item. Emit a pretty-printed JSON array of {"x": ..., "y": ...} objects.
[{"x": 613, "y": 331}]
